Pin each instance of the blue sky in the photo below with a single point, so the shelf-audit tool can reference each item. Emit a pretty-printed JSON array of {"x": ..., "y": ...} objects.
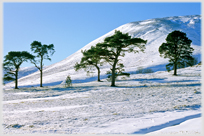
[{"x": 70, "y": 26}]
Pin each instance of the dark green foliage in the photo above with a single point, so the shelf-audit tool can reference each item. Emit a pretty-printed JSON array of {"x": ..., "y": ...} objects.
[
  {"x": 190, "y": 62},
  {"x": 68, "y": 81},
  {"x": 116, "y": 46},
  {"x": 91, "y": 58},
  {"x": 178, "y": 49},
  {"x": 119, "y": 71},
  {"x": 12, "y": 62},
  {"x": 8, "y": 77},
  {"x": 43, "y": 52}
]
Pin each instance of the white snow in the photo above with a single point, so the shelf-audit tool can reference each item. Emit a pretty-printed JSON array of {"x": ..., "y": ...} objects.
[
  {"x": 151, "y": 103},
  {"x": 152, "y": 30},
  {"x": 191, "y": 126},
  {"x": 155, "y": 103},
  {"x": 146, "y": 22}
]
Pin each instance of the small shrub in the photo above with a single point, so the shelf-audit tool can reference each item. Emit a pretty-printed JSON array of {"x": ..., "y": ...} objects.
[
  {"x": 15, "y": 126},
  {"x": 31, "y": 126},
  {"x": 196, "y": 92},
  {"x": 68, "y": 81},
  {"x": 141, "y": 70},
  {"x": 123, "y": 78},
  {"x": 149, "y": 70}
]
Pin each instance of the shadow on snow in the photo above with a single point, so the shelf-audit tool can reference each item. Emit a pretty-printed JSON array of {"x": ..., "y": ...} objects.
[
  {"x": 168, "y": 124},
  {"x": 158, "y": 80},
  {"x": 94, "y": 78},
  {"x": 173, "y": 85}
]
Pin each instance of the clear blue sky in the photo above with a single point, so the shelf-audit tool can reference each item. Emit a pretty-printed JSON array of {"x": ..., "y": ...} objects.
[{"x": 70, "y": 26}]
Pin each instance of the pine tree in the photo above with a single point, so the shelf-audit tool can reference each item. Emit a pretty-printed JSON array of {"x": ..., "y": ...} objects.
[
  {"x": 43, "y": 52},
  {"x": 178, "y": 49},
  {"x": 116, "y": 46},
  {"x": 68, "y": 81},
  {"x": 91, "y": 58},
  {"x": 12, "y": 63}
]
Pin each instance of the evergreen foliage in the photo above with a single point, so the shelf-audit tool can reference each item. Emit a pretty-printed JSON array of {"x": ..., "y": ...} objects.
[
  {"x": 43, "y": 52},
  {"x": 12, "y": 63},
  {"x": 91, "y": 58},
  {"x": 191, "y": 62},
  {"x": 116, "y": 46},
  {"x": 118, "y": 72},
  {"x": 178, "y": 49},
  {"x": 68, "y": 81}
]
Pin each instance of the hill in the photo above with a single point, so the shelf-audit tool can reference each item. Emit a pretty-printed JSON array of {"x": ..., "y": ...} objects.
[{"x": 152, "y": 30}]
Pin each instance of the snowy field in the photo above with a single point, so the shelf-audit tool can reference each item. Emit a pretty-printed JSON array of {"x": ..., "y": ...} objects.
[{"x": 154, "y": 103}]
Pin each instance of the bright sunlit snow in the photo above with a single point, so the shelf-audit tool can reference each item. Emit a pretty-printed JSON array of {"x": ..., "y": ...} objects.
[
  {"x": 141, "y": 104},
  {"x": 148, "y": 103}
]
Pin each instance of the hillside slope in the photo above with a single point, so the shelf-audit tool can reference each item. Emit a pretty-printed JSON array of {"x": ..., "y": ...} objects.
[{"x": 152, "y": 30}]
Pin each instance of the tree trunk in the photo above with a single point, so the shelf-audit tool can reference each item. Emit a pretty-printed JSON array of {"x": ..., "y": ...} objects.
[
  {"x": 41, "y": 74},
  {"x": 175, "y": 62},
  {"x": 98, "y": 73},
  {"x": 113, "y": 77},
  {"x": 16, "y": 80},
  {"x": 113, "y": 68},
  {"x": 41, "y": 78},
  {"x": 113, "y": 74},
  {"x": 175, "y": 68}
]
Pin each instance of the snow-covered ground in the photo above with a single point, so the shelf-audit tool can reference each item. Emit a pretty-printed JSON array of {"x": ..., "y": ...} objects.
[{"x": 154, "y": 103}]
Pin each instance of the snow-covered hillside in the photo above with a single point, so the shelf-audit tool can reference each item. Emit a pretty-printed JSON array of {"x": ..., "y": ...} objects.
[
  {"x": 157, "y": 103},
  {"x": 152, "y": 30},
  {"x": 149, "y": 103}
]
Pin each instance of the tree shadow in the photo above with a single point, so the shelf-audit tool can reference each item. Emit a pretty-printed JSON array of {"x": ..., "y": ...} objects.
[
  {"x": 171, "y": 85},
  {"x": 38, "y": 85},
  {"x": 164, "y": 125},
  {"x": 158, "y": 80}
]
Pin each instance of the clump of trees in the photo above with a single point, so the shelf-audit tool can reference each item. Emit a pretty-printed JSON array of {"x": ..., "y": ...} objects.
[
  {"x": 116, "y": 46},
  {"x": 111, "y": 49},
  {"x": 91, "y": 58},
  {"x": 178, "y": 50},
  {"x": 14, "y": 59}
]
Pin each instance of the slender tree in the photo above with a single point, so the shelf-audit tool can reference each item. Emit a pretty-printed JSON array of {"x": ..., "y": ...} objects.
[
  {"x": 12, "y": 63},
  {"x": 178, "y": 49},
  {"x": 43, "y": 52},
  {"x": 116, "y": 46},
  {"x": 91, "y": 58}
]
